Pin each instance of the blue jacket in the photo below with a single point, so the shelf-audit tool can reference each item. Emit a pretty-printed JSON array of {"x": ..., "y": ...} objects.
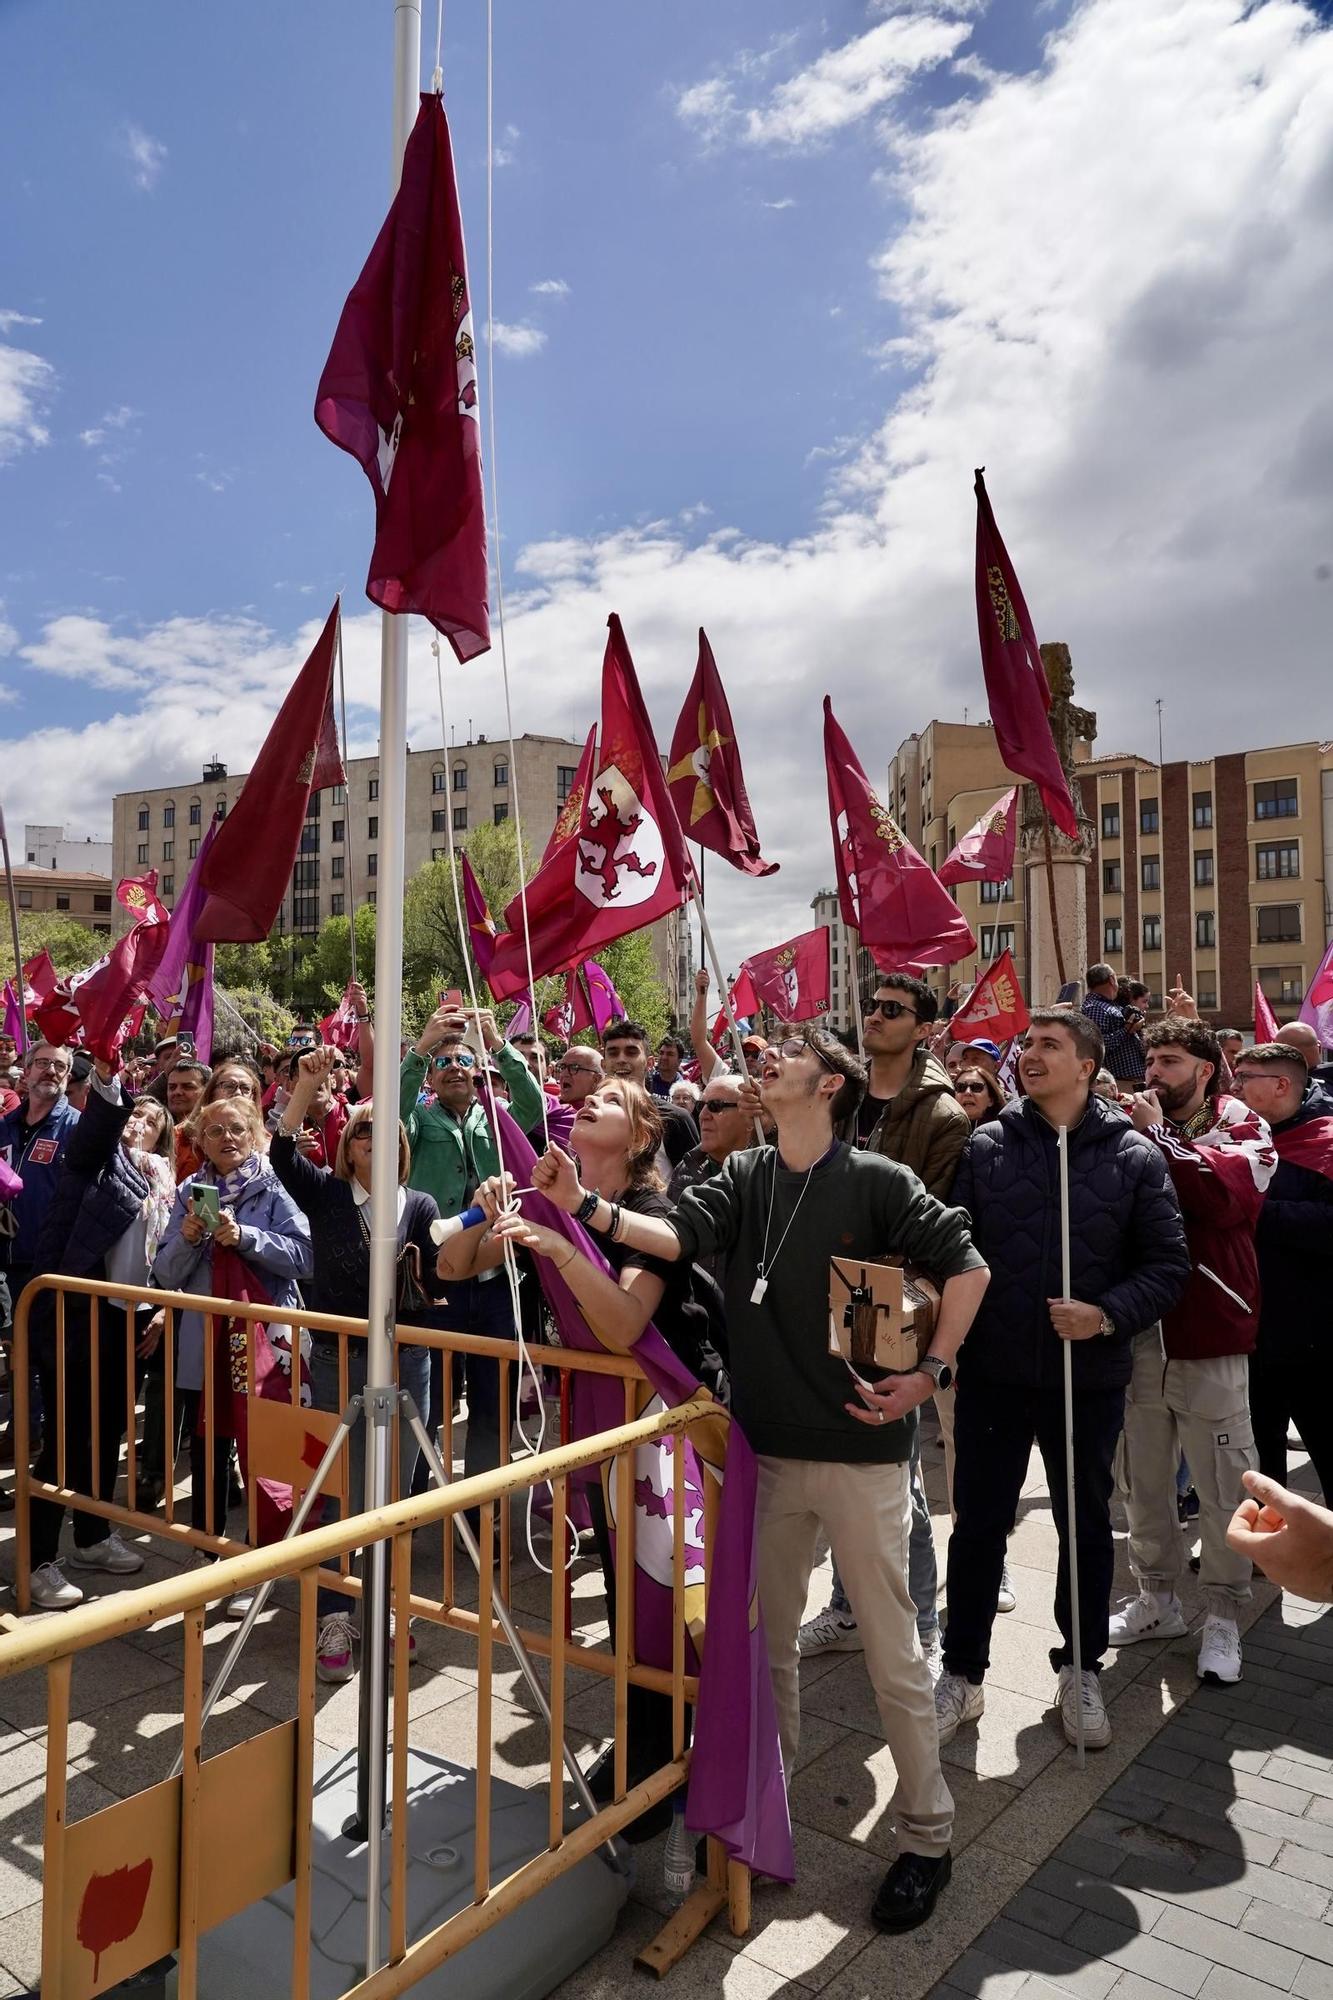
[
  {"x": 1294, "y": 1238},
  {"x": 1127, "y": 1243},
  {"x": 275, "y": 1241},
  {"x": 23, "y": 1146},
  {"x": 98, "y": 1195}
]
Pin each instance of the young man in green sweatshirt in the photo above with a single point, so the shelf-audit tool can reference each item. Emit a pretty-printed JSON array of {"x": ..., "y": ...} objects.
[{"x": 833, "y": 1450}]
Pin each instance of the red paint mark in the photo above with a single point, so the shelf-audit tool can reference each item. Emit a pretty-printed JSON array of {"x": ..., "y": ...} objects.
[
  {"x": 312, "y": 1449},
  {"x": 112, "y": 1908}
]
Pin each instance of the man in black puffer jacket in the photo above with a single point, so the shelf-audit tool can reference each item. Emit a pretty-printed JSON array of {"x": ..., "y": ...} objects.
[{"x": 1129, "y": 1264}]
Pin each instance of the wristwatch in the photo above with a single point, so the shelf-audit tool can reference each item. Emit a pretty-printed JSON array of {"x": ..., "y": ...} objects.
[
  {"x": 940, "y": 1373},
  {"x": 1108, "y": 1324}
]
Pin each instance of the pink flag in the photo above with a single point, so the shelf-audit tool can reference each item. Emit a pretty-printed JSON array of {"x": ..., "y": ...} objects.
[
  {"x": 793, "y": 978},
  {"x": 181, "y": 988},
  {"x": 399, "y": 391},
  {"x": 1265, "y": 1020},
  {"x": 1317, "y": 1006},
  {"x": 520, "y": 1021},
  {"x": 480, "y": 922},
  {"x": 986, "y": 851}
]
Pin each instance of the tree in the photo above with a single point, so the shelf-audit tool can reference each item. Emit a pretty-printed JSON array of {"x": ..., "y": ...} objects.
[
  {"x": 253, "y": 1008},
  {"x": 330, "y": 963},
  {"x": 434, "y": 956},
  {"x": 251, "y": 965},
  {"x": 71, "y": 944}
]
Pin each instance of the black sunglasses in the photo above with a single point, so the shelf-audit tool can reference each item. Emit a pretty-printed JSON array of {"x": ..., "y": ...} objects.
[
  {"x": 892, "y": 1010},
  {"x": 721, "y": 1104},
  {"x": 464, "y": 1058}
]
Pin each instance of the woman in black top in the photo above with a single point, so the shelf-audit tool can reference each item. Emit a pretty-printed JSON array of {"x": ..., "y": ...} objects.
[{"x": 336, "y": 1203}]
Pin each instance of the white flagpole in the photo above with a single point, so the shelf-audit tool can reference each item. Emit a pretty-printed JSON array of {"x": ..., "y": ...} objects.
[
  {"x": 705, "y": 931},
  {"x": 351, "y": 884},
  {"x": 14, "y": 933},
  {"x": 1071, "y": 1532},
  {"x": 384, "y": 1143}
]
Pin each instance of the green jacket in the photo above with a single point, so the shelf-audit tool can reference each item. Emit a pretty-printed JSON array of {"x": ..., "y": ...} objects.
[{"x": 437, "y": 1138}]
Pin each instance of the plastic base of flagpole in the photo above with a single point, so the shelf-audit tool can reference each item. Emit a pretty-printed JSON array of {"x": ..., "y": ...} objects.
[{"x": 522, "y": 1958}]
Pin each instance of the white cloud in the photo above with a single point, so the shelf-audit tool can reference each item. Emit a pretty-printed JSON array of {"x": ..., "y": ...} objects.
[
  {"x": 9, "y": 637},
  {"x": 518, "y": 341},
  {"x": 146, "y": 156},
  {"x": 787, "y": 201},
  {"x": 841, "y": 86},
  {"x": 118, "y": 419},
  {"x": 506, "y": 146},
  {"x": 550, "y": 288},
  {"x": 27, "y": 384}
]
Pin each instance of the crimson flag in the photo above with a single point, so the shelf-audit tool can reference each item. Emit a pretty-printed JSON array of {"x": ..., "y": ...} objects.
[
  {"x": 885, "y": 890},
  {"x": 39, "y": 979},
  {"x": 793, "y": 979},
  {"x": 399, "y": 391},
  {"x": 91, "y": 1006},
  {"x": 480, "y": 923},
  {"x": 1016, "y": 685},
  {"x": 244, "y": 875},
  {"x": 1265, "y": 1020},
  {"x": 704, "y": 773},
  {"x": 994, "y": 1010},
  {"x": 744, "y": 1005},
  {"x": 627, "y": 866},
  {"x": 986, "y": 851},
  {"x": 565, "y": 831},
  {"x": 138, "y": 895}
]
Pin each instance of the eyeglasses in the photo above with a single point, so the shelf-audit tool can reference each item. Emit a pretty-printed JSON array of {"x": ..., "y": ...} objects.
[
  {"x": 574, "y": 1069},
  {"x": 226, "y": 1131},
  {"x": 892, "y": 1010},
  {"x": 364, "y": 1130},
  {"x": 969, "y": 1089},
  {"x": 464, "y": 1059},
  {"x": 720, "y": 1104},
  {"x": 51, "y": 1062},
  {"x": 796, "y": 1045}
]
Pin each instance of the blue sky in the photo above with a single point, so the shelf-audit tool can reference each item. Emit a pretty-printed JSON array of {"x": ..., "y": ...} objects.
[{"x": 770, "y": 283}]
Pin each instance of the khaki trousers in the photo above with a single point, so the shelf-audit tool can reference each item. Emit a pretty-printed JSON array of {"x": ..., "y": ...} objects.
[
  {"x": 1200, "y": 1409},
  {"x": 866, "y": 1512},
  {"x": 944, "y": 1406}
]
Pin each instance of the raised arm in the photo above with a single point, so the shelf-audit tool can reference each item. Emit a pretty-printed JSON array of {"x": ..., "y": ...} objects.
[
  {"x": 705, "y": 1054},
  {"x": 365, "y": 1040},
  {"x": 557, "y": 1177}
]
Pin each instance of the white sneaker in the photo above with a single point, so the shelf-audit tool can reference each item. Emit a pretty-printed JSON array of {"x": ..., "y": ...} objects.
[
  {"x": 956, "y": 1701},
  {"x": 411, "y": 1639},
  {"x": 831, "y": 1632},
  {"x": 1219, "y": 1650},
  {"x": 934, "y": 1652},
  {"x": 52, "y": 1590},
  {"x": 1146, "y": 1616},
  {"x": 238, "y": 1604},
  {"x": 333, "y": 1648},
  {"x": 111, "y": 1555},
  {"x": 1096, "y": 1722},
  {"x": 1008, "y": 1598}
]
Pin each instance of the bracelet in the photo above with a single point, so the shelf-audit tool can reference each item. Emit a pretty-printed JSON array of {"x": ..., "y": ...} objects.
[
  {"x": 614, "y": 1231},
  {"x": 568, "y": 1261},
  {"x": 587, "y": 1207}
]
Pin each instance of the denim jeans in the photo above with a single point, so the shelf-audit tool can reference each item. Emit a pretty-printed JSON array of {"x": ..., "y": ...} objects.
[
  {"x": 412, "y": 1370},
  {"x": 923, "y": 1580},
  {"x": 472, "y": 1307}
]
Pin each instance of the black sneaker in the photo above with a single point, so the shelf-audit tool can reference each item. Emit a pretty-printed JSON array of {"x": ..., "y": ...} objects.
[
  {"x": 909, "y": 1892},
  {"x": 601, "y": 1777}
]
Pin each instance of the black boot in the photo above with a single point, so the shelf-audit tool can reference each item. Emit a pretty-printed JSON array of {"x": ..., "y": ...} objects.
[{"x": 909, "y": 1892}]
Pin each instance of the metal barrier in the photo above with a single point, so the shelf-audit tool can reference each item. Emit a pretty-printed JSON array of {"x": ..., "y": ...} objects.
[{"x": 276, "y": 1768}]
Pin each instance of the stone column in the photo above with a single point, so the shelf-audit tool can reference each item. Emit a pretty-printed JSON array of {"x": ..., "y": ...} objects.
[{"x": 1069, "y": 858}]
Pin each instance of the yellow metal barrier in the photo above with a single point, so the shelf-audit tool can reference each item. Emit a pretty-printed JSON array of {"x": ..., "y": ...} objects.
[{"x": 272, "y": 1774}]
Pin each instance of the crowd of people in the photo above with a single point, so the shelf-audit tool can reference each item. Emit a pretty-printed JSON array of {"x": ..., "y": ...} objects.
[{"x": 719, "y": 1189}]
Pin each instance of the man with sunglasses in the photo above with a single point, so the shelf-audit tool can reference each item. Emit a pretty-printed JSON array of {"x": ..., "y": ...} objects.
[
  {"x": 577, "y": 1073},
  {"x": 453, "y": 1151},
  {"x": 726, "y": 1122}
]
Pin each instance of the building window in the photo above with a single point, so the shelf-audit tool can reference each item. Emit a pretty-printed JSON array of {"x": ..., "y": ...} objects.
[
  {"x": 373, "y": 827},
  {"x": 1276, "y": 800},
  {"x": 1147, "y": 815},
  {"x": 143, "y": 852},
  {"x": 1206, "y": 996},
  {"x": 305, "y": 875},
  {"x": 337, "y": 904},
  {"x": 1203, "y": 870},
  {"x": 565, "y": 775},
  {"x": 196, "y": 813},
  {"x": 143, "y": 819},
  {"x": 1151, "y": 871},
  {"x": 439, "y": 854},
  {"x": 1203, "y": 809},
  {"x": 1110, "y": 878},
  {"x": 1275, "y": 860},
  {"x": 371, "y": 898},
  {"x": 310, "y": 837},
  {"x": 169, "y": 815},
  {"x": 1110, "y": 822},
  {"x": 460, "y": 777},
  {"x": 988, "y": 940},
  {"x": 221, "y": 812},
  {"x": 1004, "y": 938},
  {"x": 437, "y": 822},
  {"x": 101, "y": 902},
  {"x": 338, "y": 831},
  {"x": 62, "y": 900},
  {"x": 501, "y": 773},
  {"x": 1279, "y": 923},
  {"x": 305, "y": 913},
  {"x": 1152, "y": 933},
  {"x": 1113, "y": 937},
  {"x": 25, "y": 899},
  {"x": 372, "y": 791},
  {"x": 336, "y": 867},
  {"x": 372, "y": 864},
  {"x": 460, "y": 819},
  {"x": 168, "y": 850},
  {"x": 1205, "y": 928},
  {"x": 500, "y": 814},
  {"x": 102, "y": 930},
  {"x": 168, "y": 885},
  {"x": 1282, "y": 982},
  {"x": 312, "y": 806},
  {"x": 194, "y": 847},
  {"x": 437, "y": 779}
]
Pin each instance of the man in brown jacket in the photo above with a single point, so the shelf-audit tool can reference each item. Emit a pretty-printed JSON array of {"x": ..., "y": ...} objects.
[{"x": 910, "y": 1114}]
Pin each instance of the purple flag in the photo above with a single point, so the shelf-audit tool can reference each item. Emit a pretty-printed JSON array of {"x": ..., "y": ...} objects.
[
  {"x": 182, "y": 987},
  {"x": 605, "y": 1002},
  {"x": 520, "y": 1022},
  {"x": 1317, "y": 1006},
  {"x": 736, "y": 1789},
  {"x": 13, "y": 1025}
]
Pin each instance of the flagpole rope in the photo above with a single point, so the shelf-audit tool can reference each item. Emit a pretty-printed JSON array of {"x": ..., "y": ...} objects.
[{"x": 437, "y": 78}]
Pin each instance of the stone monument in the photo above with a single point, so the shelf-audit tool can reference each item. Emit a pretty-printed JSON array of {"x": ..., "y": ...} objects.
[{"x": 1055, "y": 886}]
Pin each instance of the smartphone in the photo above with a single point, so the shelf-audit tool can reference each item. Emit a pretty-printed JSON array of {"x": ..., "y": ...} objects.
[
  {"x": 185, "y": 1047},
  {"x": 453, "y": 998},
  {"x": 206, "y": 1203}
]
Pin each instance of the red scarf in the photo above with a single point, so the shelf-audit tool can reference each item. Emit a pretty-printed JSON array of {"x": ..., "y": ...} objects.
[
  {"x": 1309, "y": 1145},
  {"x": 234, "y": 1279}
]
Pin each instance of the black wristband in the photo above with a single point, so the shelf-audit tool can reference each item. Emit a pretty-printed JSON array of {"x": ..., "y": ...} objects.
[{"x": 587, "y": 1208}]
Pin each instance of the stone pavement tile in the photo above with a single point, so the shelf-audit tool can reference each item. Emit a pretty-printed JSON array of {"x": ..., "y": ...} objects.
[
  {"x": 1224, "y": 1944},
  {"x": 812, "y": 1930},
  {"x": 1042, "y": 1911},
  {"x": 1116, "y": 1945},
  {"x": 1284, "y": 1927},
  {"x": 1297, "y": 1772},
  {"x": 136, "y": 1741},
  {"x": 1281, "y": 1826},
  {"x": 1221, "y": 1832},
  {"x": 1016, "y": 1738},
  {"x": 906, "y": 1968},
  {"x": 22, "y": 1818},
  {"x": 1074, "y": 1971},
  {"x": 1264, "y": 1790},
  {"x": 1161, "y": 1756},
  {"x": 1224, "y": 1984},
  {"x": 1185, "y": 1732},
  {"x": 1287, "y": 1891},
  {"x": 1126, "y": 1900},
  {"x": 520, "y": 1745},
  {"x": 1133, "y": 1986},
  {"x": 1033, "y": 1588},
  {"x": 21, "y": 1950},
  {"x": 1159, "y": 1881},
  {"x": 100, "y": 1675},
  {"x": 1314, "y": 1981},
  {"x": 848, "y": 1792},
  {"x": 985, "y": 1978},
  {"x": 1300, "y": 1863}
]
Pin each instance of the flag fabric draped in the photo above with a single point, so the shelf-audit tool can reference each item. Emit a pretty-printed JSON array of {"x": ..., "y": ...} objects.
[
  {"x": 138, "y": 894},
  {"x": 793, "y": 979},
  {"x": 986, "y": 851},
  {"x": 341, "y": 1029},
  {"x": 13, "y": 1024},
  {"x": 705, "y": 776},
  {"x": 91, "y": 1006},
  {"x": 736, "y": 1789},
  {"x": 1016, "y": 684},
  {"x": 399, "y": 392},
  {"x": 885, "y": 890},
  {"x": 1317, "y": 1006},
  {"x": 245, "y": 874},
  {"x": 1265, "y": 1020},
  {"x": 567, "y": 822},
  {"x": 994, "y": 1010},
  {"x": 181, "y": 989},
  {"x": 480, "y": 923},
  {"x": 39, "y": 979},
  {"x": 590, "y": 1001},
  {"x": 626, "y": 867}
]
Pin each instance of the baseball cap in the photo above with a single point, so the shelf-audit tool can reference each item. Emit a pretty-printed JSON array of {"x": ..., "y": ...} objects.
[{"x": 991, "y": 1049}]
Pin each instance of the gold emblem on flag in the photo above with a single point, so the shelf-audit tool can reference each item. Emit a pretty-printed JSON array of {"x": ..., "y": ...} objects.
[
  {"x": 1006, "y": 999},
  {"x": 995, "y": 824},
  {"x": 1003, "y": 609},
  {"x": 887, "y": 828},
  {"x": 698, "y": 765},
  {"x": 307, "y": 770}
]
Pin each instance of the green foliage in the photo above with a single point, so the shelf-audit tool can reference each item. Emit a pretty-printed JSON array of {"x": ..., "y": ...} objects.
[
  {"x": 329, "y": 966},
  {"x": 246, "y": 966},
  {"x": 634, "y": 974},
  {"x": 255, "y": 1008},
  {"x": 71, "y": 944}
]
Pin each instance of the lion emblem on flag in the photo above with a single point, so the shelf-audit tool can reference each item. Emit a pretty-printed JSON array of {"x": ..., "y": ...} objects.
[
  {"x": 1001, "y": 606},
  {"x": 887, "y": 828},
  {"x": 620, "y": 853},
  {"x": 788, "y": 979}
]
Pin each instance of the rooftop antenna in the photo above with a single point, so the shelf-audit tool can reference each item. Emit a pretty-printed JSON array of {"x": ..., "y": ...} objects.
[{"x": 1159, "y": 732}]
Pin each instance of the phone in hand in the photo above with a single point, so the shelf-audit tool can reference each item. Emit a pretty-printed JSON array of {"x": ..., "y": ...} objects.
[
  {"x": 206, "y": 1203},
  {"x": 185, "y": 1046},
  {"x": 452, "y": 998}
]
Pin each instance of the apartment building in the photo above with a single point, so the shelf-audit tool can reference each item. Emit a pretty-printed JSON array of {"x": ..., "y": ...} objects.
[
  {"x": 51, "y": 847},
  {"x": 849, "y": 961},
  {"x": 82, "y": 894}
]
